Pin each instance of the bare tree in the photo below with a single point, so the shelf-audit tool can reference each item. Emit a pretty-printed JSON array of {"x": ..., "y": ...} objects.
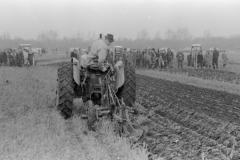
[
  {"x": 143, "y": 34},
  {"x": 170, "y": 34},
  {"x": 79, "y": 35},
  {"x": 52, "y": 35},
  {"x": 183, "y": 34},
  {"x": 207, "y": 34},
  {"x": 5, "y": 35},
  {"x": 48, "y": 36}
]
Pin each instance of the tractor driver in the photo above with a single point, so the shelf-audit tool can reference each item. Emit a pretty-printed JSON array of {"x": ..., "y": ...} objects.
[{"x": 97, "y": 54}]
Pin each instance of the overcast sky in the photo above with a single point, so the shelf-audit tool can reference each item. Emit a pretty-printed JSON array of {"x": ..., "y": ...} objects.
[{"x": 28, "y": 18}]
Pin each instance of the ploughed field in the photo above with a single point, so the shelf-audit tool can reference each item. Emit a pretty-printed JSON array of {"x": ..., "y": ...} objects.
[
  {"x": 212, "y": 74},
  {"x": 188, "y": 122}
]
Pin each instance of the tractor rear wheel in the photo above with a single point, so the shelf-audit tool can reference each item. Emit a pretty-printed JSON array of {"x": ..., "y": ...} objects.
[
  {"x": 65, "y": 91},
  {"x": 129, "y": 87}
]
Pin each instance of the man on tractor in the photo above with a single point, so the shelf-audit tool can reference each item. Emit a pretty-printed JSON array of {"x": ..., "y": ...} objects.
[
  {"x": 96, "y": 56},
  {"x": 98, "y": 52},
  {"x": 109, "y": 89}
]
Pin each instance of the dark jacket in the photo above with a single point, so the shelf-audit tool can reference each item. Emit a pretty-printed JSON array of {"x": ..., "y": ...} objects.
[
  {"x": 180, "y": 56},
  {"x": 170, "y": 55},
  {"x": 200, "y": 58},
  {"x": 1, "y": 57},
  {"x": 73, "y": 54},
  {"x": 4, "y": 57},
  {"x": 215, "y": 54}
]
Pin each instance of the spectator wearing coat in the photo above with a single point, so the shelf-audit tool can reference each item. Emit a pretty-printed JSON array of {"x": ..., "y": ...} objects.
[
  {"x": 10, "y": 57},
  {"x": 14, "y": 58},
  {"x": 139, "y": 59},
  {"x": 1, "y": 58},
  {"x": 4, "y": 58},
  {"x": 189, "y": 57},
  {"x": 153, "y": 58},
  {"x": 164, "y": 57},
  {"x": 147, "y": 59},
  {"x": 199, "y": 60},
  {"x": 224, "y": 58},
  {"x": 215, "y": 58},
  {"x": 124, "y": 56},
  {"x": 160, "y": 60},
  {"x": 180, "y": 58},
  {"x": 157, "y": 59},
  {"x": 170, "y": 56},
  {"x": 73, "y": 54},
  {"x": 25, "y": 55},
  {"x": 20, "y": 58}
]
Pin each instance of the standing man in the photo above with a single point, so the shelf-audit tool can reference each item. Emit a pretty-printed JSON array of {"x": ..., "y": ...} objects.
[
  {"x": 124, "y": 56},
  {"x": 1, "y": 57},
  {"x": 10, "y": 57},
  {"x": 157, "y": 59},
  {"x": 139, "y": 59},
  {"x": 164, "y": 57},
  {"x": 133, "y": 57},
  {"x": 4, "y": 58},
  {"x": 20, "y": 58},
  {"x": 208, "y": 59},
  {"x": 170, "y": 58},
  {"x": 147, "y": 59},
  {"x": 180, "y": 58},
  {"x": 25, "y": 55},
  {"x": 189, "y": 57},
  {"x": 74, "y": 54},
  {"x": 215, "y": 58},
  {"x": 153, "y": 56},
  {"x": 14, "y": 58},
  {"x": 199, "y": 60}
]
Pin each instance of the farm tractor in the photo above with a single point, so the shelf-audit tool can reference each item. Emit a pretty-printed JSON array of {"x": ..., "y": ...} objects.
[
  {"x": 28, "y": 53},
  {"x": 108, "y": 94},
  {"x": 195, "y": 49}
]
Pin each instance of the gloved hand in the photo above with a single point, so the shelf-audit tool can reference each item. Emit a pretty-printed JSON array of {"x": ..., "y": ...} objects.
[{"x": 103, "y": 69}]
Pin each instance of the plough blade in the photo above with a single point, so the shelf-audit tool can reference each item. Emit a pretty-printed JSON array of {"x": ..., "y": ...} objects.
[{"x": 137, "y": 132}]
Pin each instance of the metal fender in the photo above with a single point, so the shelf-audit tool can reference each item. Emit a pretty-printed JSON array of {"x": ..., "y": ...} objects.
[
  {"x": 119, "y": 76},
  {"x": 76, "y": 71}
]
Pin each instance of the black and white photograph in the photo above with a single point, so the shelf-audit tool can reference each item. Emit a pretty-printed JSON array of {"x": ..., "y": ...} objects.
[{"x": 119, "y": 80}]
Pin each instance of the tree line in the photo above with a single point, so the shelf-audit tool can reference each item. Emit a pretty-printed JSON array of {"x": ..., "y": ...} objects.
[{"x": 174, "y": 39}]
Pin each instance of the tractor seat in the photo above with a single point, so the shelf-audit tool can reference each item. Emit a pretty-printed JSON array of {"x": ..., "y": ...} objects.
[
  {"x": 96, "y": 68},
  {"x": 93, "y": 67}
]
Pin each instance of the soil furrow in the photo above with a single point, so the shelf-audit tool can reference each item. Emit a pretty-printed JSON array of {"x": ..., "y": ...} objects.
[{"x": 209, "y": 117}]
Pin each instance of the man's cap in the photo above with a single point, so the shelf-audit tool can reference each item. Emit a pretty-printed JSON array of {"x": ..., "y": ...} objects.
[{"x": 109, "y": 37}]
